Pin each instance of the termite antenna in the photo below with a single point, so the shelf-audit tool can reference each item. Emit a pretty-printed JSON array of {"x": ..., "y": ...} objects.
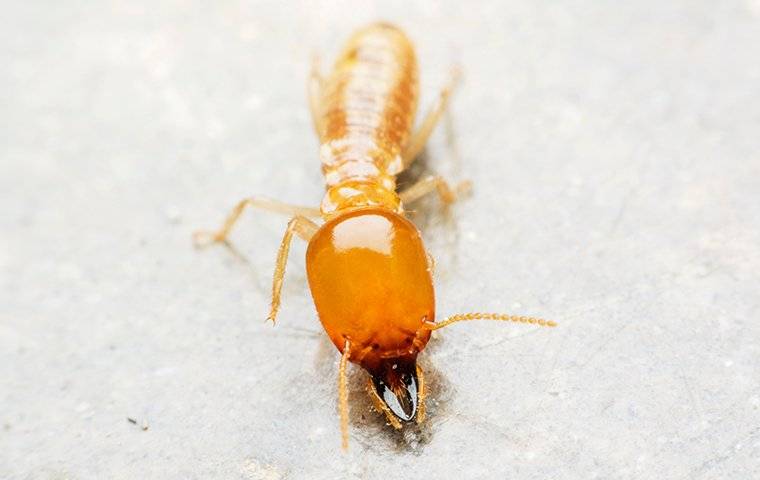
[
  {"x": 343, "y": 395},
  {"x": 462, "y": 317}
]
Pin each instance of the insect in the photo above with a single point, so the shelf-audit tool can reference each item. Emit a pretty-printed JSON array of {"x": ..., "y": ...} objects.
[{"x": 367, "y": 268}]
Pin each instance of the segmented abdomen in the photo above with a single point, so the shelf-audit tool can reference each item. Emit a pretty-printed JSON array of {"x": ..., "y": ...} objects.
[{"x": 367, "y": 106}]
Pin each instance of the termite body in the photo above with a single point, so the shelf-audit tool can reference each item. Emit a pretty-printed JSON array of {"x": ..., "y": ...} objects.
[
  {"x": 367, "y": 250},
  {"x": 368, "y": 271}
]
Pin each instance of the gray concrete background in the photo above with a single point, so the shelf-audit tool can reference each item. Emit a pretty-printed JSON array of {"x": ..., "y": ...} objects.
[{"x": 614, "y": 149}]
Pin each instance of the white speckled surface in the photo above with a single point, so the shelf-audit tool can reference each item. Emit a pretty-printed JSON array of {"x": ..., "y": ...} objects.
[{"x": 615, "y": 153}]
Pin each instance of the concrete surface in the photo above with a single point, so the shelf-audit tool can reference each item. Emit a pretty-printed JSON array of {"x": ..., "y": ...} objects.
[{"x": 615, "y": 153}]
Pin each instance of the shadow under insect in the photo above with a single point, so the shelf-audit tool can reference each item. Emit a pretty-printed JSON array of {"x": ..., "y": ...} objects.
[{"x": 371, "y": 418}]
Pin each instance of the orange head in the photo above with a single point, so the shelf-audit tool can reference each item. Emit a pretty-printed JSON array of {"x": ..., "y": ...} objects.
[{"x": 370, "y": 279}]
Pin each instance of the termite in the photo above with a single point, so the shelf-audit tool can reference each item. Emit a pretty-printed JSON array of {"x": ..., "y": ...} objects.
[{"x": 368, "y": 270}]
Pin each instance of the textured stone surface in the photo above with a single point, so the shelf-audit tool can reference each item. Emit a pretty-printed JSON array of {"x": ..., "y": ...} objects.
[{"x": 614, "y": 149}]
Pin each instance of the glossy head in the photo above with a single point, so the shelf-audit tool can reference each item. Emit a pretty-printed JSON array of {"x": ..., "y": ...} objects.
[{"x": 370, "y": 279}]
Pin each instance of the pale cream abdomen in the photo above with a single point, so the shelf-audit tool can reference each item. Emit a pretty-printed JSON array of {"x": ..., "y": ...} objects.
[{"x": 367, "y": 104}]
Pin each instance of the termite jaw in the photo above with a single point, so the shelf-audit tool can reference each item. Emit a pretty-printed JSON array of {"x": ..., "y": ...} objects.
[{"x": 396, "y": 385}]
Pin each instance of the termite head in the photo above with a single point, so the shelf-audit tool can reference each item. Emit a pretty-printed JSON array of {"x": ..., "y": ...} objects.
[
  {"x": 371, "y": 283},
  {"x": 397, "y": 389}
]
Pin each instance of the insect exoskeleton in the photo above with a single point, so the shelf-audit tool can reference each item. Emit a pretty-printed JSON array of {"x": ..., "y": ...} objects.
[
  {"x": 369, "y": 277},
  {"x": 368, "y": 270}
]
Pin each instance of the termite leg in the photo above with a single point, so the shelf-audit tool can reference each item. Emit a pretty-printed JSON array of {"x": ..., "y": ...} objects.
[
  {"x": 446, "y": 193},
  {"x": 202, "y": 238},
  {"x": 343, "y": 394},
  {"x": 420, "y": 137},
  {"x": 304, "y": 228},
  {"x": 315, "y": 95}
]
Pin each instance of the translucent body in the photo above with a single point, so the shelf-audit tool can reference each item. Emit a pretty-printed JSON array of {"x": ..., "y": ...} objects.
[
  {"x": 367, "y": 267},
  {"x": 367, "y": 106}
]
